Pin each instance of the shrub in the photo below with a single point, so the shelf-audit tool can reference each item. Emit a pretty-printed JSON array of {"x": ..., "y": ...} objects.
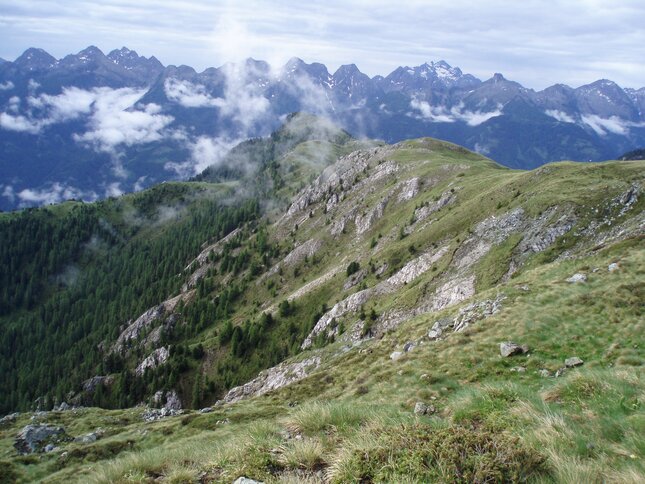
[{"x": 352, "y": 268}]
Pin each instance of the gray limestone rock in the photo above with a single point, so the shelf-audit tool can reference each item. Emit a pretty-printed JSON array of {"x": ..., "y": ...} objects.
[
  {"x": 33, "y": 438},
  {"x": 508, "y": 348},
  {"x": 576, "y": 278},
  {"x": 573, "y": 362}
]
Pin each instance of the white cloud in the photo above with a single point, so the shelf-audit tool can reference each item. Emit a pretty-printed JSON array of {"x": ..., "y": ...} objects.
[
  {"x": 560, "y": 116},
  {"x": 188, "y": 94},
  {"x": 139, "y": 184},
  {"x": 205, "y": 152},
  {"x": 8, "y": 192},
  {"x": 32, "y": 85},
  {"x": 6, "y": 86},
  {"x": 70, "y": 104},
  {"x": 440, "y": 114},
  {"x": 20, "y": 123},
  {"x": 603, "y": 125},
  {"x": 52, "y": 193},
  {"x": 113, "y": 124},
  {"x": 113, "y": 190}
]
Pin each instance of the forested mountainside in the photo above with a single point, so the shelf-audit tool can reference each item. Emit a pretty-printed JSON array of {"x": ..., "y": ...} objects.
[{"x": 335, "y": 301}]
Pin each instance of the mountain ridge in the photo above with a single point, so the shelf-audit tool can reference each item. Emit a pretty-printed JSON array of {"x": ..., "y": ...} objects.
[{"x": 136, "y": 122}]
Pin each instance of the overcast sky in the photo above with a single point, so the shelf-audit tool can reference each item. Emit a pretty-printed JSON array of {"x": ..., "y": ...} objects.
[{"x": 536, "y": 43}]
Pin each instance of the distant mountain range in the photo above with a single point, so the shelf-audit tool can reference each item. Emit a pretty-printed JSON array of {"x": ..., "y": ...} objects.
[{"x": 90, "y": 126}]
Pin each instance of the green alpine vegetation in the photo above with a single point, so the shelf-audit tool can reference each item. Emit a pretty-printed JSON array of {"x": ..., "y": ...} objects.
[{"x": 323, "y": 309}]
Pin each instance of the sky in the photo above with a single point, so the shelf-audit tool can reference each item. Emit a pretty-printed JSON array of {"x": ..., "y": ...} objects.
[{"x": 537, "y": 43}]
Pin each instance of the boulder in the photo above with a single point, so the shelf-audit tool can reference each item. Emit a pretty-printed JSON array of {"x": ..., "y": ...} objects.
[
  {"x": 396, "y": 355},
  {"x": 613, "y": 267},
  {"x": 421, "y": 408},
  {"x": 577, "y": 278},
  {"x": 544, "y": 373},
  {"x": 34, "y": 438},
  {"x": 508, "y": 348},
  {"x": 206, "y": 410},
  {"x": 573, "y": 362}
]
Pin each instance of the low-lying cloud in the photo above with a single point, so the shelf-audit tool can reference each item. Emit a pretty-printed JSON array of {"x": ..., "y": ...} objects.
[
  {"x": 189, "y": 95},
  {"x": 440, "y": 114},
  {"x": 560, "y": 116},
  {"x": 50, "y": 193}
]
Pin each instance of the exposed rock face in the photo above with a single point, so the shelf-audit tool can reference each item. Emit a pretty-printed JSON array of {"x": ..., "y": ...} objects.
[
  {"x": 354, "y": 279},
  {"x": 144, "y": 323},
  {"x": 171, "y": 399},
  {"x": 89, "y": 385},
  {"x": 365, "y": 222},
  {"x": 277, "y": 377},
  {"x": 34, "y": 438},
  {"x": 424, "y": 212},
  {"x": 349, "y": 304},
  {"x": 452, "y": 292},
  {"x": 409, "y": 190},
  {"x": 414, "y": 269},
  {"x": 156, "y": 358},
  {"x": 466, "y": 316},
  {"x": 297, "y": 255},
  {"x": 508, "y": 348},
  {"x": 330, "y": 179},
  {"x": 152, "y": 414},
  {"x": 216, "y": 248},
  {"x": 491, "y": 231},
  {"x": 9, "y": 419}
]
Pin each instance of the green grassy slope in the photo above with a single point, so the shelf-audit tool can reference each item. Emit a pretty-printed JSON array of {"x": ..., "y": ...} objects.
[{"x": 436, "y": 233}]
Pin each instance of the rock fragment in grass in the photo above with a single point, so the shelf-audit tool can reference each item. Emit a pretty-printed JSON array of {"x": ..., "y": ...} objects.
[
  {"x": 544, "y": 373},
  {"x": 613, "y": 267},
  {"x": 246, "y": 480},
  {"x": 421, "y": 408},
  {"x": 508, "y": 348},
  {"x": 577, "y": 278},
  {"x": 396, "y": 355},
  {"x": 573, "y": 362}
]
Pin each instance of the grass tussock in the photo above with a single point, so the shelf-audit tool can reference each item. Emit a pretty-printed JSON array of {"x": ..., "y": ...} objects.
[{"x": 422, "y": 453}]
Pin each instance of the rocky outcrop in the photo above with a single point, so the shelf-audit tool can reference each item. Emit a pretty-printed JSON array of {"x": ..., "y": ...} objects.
[
  {"x": 466, "y": 316},
  {"x": 148, "y": 324},
  {"x": 452, "y": 292},
  {"x": 34, "y": 438},
  {"x": 349, "y": 304},
  {"x": 297, "y": 255},
  {"x": 413, "y": 269},
  {"x": 170, "y": 399},
  {"x": 425, "y": 211},
  {"x": 332, "y": 178},
  {"x": 277, "y": 377},
  {"x": 89, "y": 385},
  {"x": 215, "y": 248},
  {"x": 156, "y": 358},
  {"x": 409, "y": 189},
  {"x": 366, "y": 221},
  {"x": 355, "y": 279}
]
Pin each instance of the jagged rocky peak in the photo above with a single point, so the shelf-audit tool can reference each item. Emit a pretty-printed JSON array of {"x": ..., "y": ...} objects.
[{"x": 35, "y": 59}]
